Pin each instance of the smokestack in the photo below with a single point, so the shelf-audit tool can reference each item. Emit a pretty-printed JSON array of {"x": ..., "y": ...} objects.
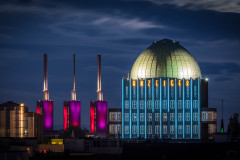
[
  {"x": 99, "y": 83},
  {"x": 222, "y": 123},
  {"x": 45, "y": 80},
  {"x": 74, "y": 91}
]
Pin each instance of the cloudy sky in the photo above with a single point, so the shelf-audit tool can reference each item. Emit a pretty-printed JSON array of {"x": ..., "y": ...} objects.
[{"x": 119, "y": 31}]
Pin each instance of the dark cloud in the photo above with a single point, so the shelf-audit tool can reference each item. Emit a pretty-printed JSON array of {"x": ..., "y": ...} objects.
[{"x": 219, "y": 68}]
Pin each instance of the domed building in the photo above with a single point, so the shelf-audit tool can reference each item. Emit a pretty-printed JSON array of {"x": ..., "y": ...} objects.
[{"x": 164, "y": 95}]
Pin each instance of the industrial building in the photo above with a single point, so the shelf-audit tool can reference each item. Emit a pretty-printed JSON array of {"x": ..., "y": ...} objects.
[
  {"x": 165, "y": 94},
  {"x": 98, "y": 108},
  {"x": 72, "y": 109},
  {"x": 17, "y": 122},
  {"x": 45, "y": 106},
  {"x": 114, "y": 122}
]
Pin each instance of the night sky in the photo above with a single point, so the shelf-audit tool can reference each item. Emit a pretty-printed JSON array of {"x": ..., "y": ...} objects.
[{"x": 119, "y": 31}]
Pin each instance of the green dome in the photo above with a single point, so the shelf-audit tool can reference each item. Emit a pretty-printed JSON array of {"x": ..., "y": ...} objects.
[{"x": 165, "y": 58}]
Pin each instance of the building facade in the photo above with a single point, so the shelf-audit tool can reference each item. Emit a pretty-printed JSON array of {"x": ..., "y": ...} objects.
[
  {"x": 164, "y": 95},
  {"x": 114, "y": 122},
  {"x": 71, "y": 114}
]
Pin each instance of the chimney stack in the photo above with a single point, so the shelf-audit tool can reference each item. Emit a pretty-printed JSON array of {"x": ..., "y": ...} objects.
[
  {"x": 45, "y": 80},
  {"x": 74, "y": 91},
  {"x": 99, "y": 83}
]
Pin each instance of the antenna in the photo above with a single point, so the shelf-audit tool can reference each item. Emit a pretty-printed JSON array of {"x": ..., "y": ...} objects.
[
  {"x": 99, "y": 82},
  {"x": 74, "y": 91},
  {"x": 222, "y": 123},
  {"x": 45, "y": 80}
]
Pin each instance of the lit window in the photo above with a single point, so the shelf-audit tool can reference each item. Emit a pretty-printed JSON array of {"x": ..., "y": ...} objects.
[
  {"x": 134, "y": 117},
  {"x": 164, "y": 104},
  {"x": 172, "y": 104},
  {"x": 126, "y": 116},
  {"x": 195, "y": 129},
  {"x": 126, "y": 105},
  {"x": 210, "y": 115},
  {"x": 187, "y": 104},
  {"x": 204, "y": 116},
  {"x": 179, "y": 104},
  {"x": 157, "y": 129},
  {"x": 157, "y": 104},
  {"x": 141, "y": 117},
  {"x": 157, "y": 118},
  {"x": 118, "y": 116},
  {"x": 195, "y": 104},
  {"x": 164, "y": 116},
  {"x": 172, "y": 129},
  {"x": 195, "y": 116},
  {"x": 149, "y": 116},
  {"x": 164, "y": 129},
  {"x": 172, "y": 117},
  {"x": 187, "y": 129}
]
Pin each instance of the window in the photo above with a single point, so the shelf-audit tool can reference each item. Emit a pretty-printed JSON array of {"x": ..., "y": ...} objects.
[
  {"x": 134, "y": 117},
  {"x": 142, "y": 129},
  {"x": 134, "y": 92},
  {"x": 157, "y": 104},
  {"x": 142, "y": 92},
  {"x": 126, "y": 105},
  {"x": 187, "y": 104},
  {"x": 164, "y": 129},
  {"x": 172, "y": 129},
  {"x": 126, "y": 116},
  {"x": 112, "y": 116},
  {"x": 164, "y": 116},
  {"x": 141, "y": 117},
  {"x": 179, "y": 129},
  {"x": 179, "y": 104},
  {"x": 149, "y": 129},
  {"x": 126, "y": 129},
  {"x": 187, "y": 129},
  {"x": 112, "y": 129},
  {"x": 195, "y": 104},
  {"x": 172, "y": 104},
  {"x": 149, "y": 104},
  {"x": 118, "y": 116},
  {"x": 141, "y": 104},
  {"x": 157, "y": 129},
  {"x": 134, "y": 129},
  {"x": 171, "y": 116},
  {"x": 195, "y": 129},
  {"x": 209, "y": 116},
  {"x": 134, "y": 104},
  {"x": 149, "y": 116},
  {"x": 187, "y": 117},
  {"x": 118, "y": 129},
  {"x": 179, "y": 116},
  {"x": 164, "y": 104},
  {"x": 157, "y": 118},
  {"x": 204, "y": 116},
  {"x": 126, "y": 91},
  {"x": 195, "y": 116}
]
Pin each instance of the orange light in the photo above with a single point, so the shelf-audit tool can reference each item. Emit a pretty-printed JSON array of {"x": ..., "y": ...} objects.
[
  {"x": 156, "y": 83},
  {"x": 172, "y": 83},
  {"x": 164, "y": 83},
  {"x": 149, "y": 83},
  {"x": 21, "y": 104},
  {"x": 141, "y": 83},
  {"x": 44, "y": 151},
  {"x": 179, "y": 83},
  {"x": 134, "y": 83},
  {"x": 187, "y": 83}
]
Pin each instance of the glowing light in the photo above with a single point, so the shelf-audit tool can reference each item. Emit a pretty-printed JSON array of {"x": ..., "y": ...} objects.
[
  {"x": 102, "y": 116},
  {"x": 172, "y": 82},
  {"x": 206, "y": 79},
  {"x": 156, "y": 83},
  {"x": 179, "y": 83},
  {"x": 21, "y": 120},
  {"x": 75, "y": 112},
  {"x": 92, "y": 119},
  {"x": 149, "y": 83},
  {"x": 187, "y": 82},
  {"x": 164, "y": 83},
  {"x": 38, "y": 109},
  {"x": 21, "y": 104},
  {"x": 65, "y": 112},
  {"x": 133, "y": 83},
  {"x": 47, "y": 115},
  {"x": 141, "y": 83}
]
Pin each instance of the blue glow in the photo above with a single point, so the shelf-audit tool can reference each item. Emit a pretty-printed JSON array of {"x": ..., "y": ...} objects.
[
  {"x": 199, "y": 112},
  {"x": 153, "y": 115},
  {"x": 145, "y": 85},
  {"x": 168, "y": 110},
  {"x": 123, "y": 108},
  {"x": 130, "y": 108},
  {"x": 183, "y": 98},
  {"x": 160, "y": 84},
  {"x": 176, "y": 118},
  {"x": 138, "y": 108},
  {"x": 191, "y": 109}
]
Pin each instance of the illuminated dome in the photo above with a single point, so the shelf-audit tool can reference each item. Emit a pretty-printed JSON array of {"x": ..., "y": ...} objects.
[{"x": 165, "y": 58}]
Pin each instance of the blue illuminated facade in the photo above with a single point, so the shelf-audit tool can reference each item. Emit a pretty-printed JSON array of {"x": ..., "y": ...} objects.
[{"x": 160, "y": 108}]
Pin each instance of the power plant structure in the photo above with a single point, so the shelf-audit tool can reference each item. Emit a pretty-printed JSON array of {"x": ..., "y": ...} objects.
[
  {"x": 45, "y": 106},
  {"x": 72, "y": 109},
  {"x": 98, "y": 108}
]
